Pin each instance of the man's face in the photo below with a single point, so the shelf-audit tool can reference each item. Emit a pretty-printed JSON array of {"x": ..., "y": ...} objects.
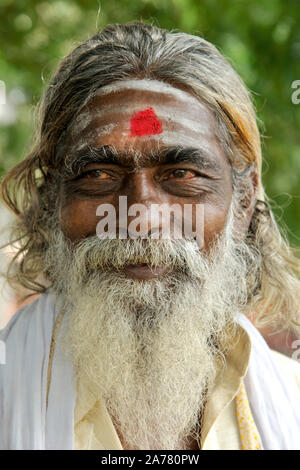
[
  {"x": 136, "y": 130},
  {"x": 140, "y": 335}
]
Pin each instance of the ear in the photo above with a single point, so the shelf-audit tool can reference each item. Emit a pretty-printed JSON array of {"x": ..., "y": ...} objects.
[{"x": 246, "y": 204}]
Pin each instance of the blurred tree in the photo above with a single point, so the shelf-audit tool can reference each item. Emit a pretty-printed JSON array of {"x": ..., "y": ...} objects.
[{"x": 260, "y": 38}]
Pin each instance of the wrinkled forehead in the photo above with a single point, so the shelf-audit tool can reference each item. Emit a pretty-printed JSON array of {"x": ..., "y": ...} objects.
[
  {"x": 128, "y": 96},
  {"x": 140, "y": 118}
]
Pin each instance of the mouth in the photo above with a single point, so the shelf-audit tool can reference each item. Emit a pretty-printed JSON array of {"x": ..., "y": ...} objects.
[{"x": 143, "y": 271}]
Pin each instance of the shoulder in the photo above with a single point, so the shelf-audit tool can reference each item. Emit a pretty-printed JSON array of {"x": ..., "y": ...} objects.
[
  {"x": 40, "y": 312},
  {"x": 289, "y": 368}
]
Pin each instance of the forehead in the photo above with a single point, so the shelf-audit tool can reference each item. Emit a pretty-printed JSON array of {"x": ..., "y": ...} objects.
[{"x": 142, "y": 115}]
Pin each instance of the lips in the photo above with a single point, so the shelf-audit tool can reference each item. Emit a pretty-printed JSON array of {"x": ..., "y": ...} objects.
[{"x": 143, "y": 271}]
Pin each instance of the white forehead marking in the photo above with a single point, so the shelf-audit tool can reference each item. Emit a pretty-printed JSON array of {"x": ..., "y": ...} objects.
[
  {"x": 163, "y": 112},
  {"x": 81, "y": 122},
  {"x": 84, "y": 141},
  {"x": 145, "y": 85},
  {"x": 168, "y": 137},
  {"x": 176, "y": 138},
  {"x": 83, "y": 119},
  {"x": 172, "y": 138}
]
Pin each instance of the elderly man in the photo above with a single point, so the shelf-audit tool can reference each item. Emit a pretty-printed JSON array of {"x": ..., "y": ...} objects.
[{"x": 142, "y": 341}]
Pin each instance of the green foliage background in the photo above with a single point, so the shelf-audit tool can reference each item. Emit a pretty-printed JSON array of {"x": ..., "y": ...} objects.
[{"x": 261, "y": 38}]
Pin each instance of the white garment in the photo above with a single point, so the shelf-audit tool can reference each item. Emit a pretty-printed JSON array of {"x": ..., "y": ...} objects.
[
  {"x": 26, "y": 424},
  {"x": 24, "y": 421},
  {"x": 274, "y": 399}
]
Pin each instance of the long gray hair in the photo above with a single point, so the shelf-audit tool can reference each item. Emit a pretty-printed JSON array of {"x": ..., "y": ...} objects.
[{"x": 138, "y": 50}]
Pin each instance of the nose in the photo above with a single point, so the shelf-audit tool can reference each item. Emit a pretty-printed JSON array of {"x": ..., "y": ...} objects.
[{"x": 144, "y": 197}]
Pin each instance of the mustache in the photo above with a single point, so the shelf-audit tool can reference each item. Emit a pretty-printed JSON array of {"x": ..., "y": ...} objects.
[{"x": 117, "y": 253}]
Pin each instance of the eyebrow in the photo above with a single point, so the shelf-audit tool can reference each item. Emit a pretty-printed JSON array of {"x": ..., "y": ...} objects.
[{"x": 200, "y": 157}]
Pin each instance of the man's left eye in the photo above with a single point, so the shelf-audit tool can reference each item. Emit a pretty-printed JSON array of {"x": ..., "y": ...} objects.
[
  {"x": 181, "y": 173},
  {"x": 99, "y": 174}
]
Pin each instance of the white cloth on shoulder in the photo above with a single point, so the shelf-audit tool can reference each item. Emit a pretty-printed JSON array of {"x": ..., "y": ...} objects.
[
  {"x": 274, "y": 399},
  {"x": 25, "y": 423}
]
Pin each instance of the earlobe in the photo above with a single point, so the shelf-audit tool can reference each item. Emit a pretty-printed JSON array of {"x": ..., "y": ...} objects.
[{"x": 245, "y": 201}]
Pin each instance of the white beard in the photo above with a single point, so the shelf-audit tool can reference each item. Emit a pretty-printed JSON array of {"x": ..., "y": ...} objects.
[{"x": 151, "y": 348}]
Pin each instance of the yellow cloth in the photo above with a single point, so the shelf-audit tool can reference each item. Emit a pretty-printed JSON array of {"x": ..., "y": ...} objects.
[
  {"x": 94, "y": 429},
  {"x": 248, "y": 432}
]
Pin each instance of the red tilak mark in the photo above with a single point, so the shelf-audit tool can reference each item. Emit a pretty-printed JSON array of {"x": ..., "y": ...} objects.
[{"x": 145, "y": 123}]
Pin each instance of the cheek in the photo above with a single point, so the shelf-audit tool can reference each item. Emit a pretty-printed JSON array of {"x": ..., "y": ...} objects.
[
  {"x": 214, "y": 223},
  {"x": 78, "y": 219}
]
